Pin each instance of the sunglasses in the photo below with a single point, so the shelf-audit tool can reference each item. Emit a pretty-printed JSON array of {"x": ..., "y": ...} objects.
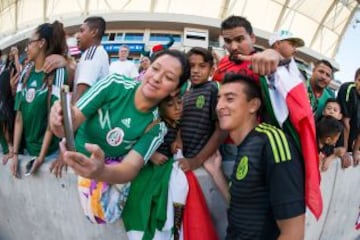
[{"x": 30, "y": 41}]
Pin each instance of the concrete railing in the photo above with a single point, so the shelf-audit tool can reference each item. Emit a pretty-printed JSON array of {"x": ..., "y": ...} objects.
[{"x": 42, "y": 207}]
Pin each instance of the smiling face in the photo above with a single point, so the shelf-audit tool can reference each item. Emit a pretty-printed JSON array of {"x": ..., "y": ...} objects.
[
  {"x": 161, "y": 78},
  {"x": 233, "y": 108},
  {"x": 238, "y": 41}
]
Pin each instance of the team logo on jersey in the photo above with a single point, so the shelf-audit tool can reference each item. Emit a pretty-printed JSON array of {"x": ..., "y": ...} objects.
[
  {"x": 126, "y": 122},
  {"x": 242, "y": 168},
  {"x": 30, "y": 95},
  {"x": 200, "y": 101},
  {"x": 115, "y": 137}
]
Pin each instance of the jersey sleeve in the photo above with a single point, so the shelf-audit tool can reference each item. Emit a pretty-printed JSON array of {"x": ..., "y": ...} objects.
[
  {"x": 285, "y": 177},
  {"x": 150, "y": 141},
  {"x": 346, "y": 108},
  {"x": 112, "y": 86},
  {"x": 60, "y": 79},
  {"x": 89, "y": 72}
]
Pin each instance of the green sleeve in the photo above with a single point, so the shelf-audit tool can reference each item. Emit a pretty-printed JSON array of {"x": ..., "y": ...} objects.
[
  {"x": 110, "y": 88},
  {"x": 150, "y": 141},
  {"x": 60, "y": 79}
]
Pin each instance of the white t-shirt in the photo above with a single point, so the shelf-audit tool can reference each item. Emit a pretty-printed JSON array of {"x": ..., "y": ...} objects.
[
  {"x": 93, "y": 66},
  {"x": 127, "y": 68}
]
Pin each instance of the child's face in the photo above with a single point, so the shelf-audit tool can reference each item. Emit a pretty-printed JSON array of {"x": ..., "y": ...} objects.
[
  {"x": 200, "y": 70},
  {"x": 332, "y": 109},
  {"x": 332, "y": 140},
  {"x": 172, "y": 108}
]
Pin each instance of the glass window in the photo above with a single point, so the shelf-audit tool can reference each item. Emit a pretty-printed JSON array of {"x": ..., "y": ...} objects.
[
  {"x": 162, "y": 37},
  {"x": 111, "y": 36},
  {"x": 134, "y": 36},
  {"x": 105, "y": 37},
  {"x": 119, "y": 37}
]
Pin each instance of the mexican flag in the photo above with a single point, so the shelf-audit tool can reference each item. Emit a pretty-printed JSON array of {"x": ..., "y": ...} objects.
[
  {"x": 197, "y": 221},
  {"x": 156, "y": 195},
  {"x": 288, "y": 106}
]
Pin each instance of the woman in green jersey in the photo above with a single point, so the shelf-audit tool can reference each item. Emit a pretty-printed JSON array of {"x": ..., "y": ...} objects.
[
  {"x": 36, "y": 91},
  {"x": 115, "y": 123}
]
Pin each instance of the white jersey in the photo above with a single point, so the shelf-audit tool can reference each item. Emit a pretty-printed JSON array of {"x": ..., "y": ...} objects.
[
  {"x": 127, "y": 68},
  {"x": 93, "y": 66}
]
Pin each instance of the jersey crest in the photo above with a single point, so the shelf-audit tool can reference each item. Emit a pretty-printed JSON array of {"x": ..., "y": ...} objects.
[
  {"x": 30, "y": 95},
  {"x": 200, "y": 101},
  {"x": 242, "y": 168},
  {"x": 115, "y": 137}
]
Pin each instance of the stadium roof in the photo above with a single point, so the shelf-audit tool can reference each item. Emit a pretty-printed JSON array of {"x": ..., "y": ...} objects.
[{"x": 320, "y": 23}]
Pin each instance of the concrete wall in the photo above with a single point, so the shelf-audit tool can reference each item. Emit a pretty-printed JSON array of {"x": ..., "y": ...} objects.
[{"x": 42, "y": 207}]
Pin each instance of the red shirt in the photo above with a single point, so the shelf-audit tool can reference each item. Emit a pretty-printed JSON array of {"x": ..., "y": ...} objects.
[{"x": 226, "y": 65}]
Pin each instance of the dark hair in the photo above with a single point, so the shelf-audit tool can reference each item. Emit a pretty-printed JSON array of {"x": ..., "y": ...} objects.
[
  {"x": 97, "y": 23},
  {"x": 333, "y": 100},
  {"x": 357, "y": 73},
  {"x": 236, "y": 21},
  {"x": 328, "y": 127},
  {"x": 326, "y": 63},
  {"x": 54, "y": 35},
  {"x": 185, "y": 66},
  {"x": 252, "y": 89},
  {"x": 206, "y": 54}
]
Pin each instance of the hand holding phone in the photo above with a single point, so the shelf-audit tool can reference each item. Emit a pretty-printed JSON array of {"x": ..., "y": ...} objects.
[
  {"x": 28, "y": 167},
  {"x": 65, "y": 99}
]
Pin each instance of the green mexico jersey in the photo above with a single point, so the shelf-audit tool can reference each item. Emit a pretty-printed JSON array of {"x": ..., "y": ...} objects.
[
  {"x": 114, "y": 123},
  {"x": 318, "y": 104},
  {"x": 32, "y": 101}
]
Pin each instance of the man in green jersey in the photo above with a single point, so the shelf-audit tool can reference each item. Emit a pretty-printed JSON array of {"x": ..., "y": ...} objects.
[{"x": 317, "y": 86}]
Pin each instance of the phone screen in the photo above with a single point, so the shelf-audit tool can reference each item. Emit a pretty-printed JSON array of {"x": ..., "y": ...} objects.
[
  {"x": 29, "y": 165},
  {"x": 66, "y": 106}
]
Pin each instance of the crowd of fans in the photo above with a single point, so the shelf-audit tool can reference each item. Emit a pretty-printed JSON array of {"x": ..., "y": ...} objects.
[{"x": 259, "y": 126}]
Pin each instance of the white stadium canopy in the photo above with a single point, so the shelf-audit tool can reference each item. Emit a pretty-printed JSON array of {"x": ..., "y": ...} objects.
[{"x": 321, "y": 23}]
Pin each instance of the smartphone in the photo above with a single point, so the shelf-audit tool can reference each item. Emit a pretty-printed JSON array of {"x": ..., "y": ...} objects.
[
  {"x": 65, "y": 99},
  {"x": 28, "y": 167}
]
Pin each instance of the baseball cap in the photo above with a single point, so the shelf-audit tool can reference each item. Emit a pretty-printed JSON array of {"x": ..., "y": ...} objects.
[{"x": 286, "y": 35}]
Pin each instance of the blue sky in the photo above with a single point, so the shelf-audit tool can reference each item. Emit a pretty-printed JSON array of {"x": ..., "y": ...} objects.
[{"x": 348, "y": 55}]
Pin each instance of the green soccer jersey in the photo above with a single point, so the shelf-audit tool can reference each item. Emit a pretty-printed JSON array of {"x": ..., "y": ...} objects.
[
  {"x": 114, "y": 123},
  {"x": 318, "y": 104},
  {"x": 32, "y": 101}
]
